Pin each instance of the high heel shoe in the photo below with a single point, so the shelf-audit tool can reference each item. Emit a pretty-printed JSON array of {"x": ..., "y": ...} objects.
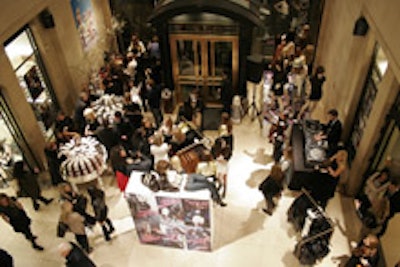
[{"x": 221, "y": 203}]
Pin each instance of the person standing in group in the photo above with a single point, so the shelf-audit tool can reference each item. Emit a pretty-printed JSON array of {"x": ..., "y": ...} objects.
[
  {"x": 226, "y": 93},
  {"x": 80, "y": 105},
  {"x": 28, "y": 184},
  {"x": 393, "y": 195},
  {"x": 337, "y": 167},
  {"x": 13, "y": 213},
  {"x": 332, "y": 132},
  {"x": 78, "y": 201},
  {"x": 159, "y": 149},
  {"x": 286, "y": 163},
  {"x": 74, "y": 256},
  {"x": 101, "y": 211},
  {"x": 272, "y": 187},
  {"x": 315, "y": 94},
  {"x": 366, "y": 253},
  {"x": 153, "y": 96},
  {"x": 153, "y": 48},
  {"x": 53, "y": 162},
  {"x": 75, "y": 223}
]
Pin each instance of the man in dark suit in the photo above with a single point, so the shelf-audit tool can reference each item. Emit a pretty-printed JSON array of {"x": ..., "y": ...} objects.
[{"x": 332, "y": 132}]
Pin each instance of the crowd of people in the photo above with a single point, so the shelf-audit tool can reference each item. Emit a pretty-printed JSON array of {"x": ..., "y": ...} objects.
[
  {"x": 291, "y": 94},
  {"x": 136, "y": 141},
  {"x": 139, "y": 137}
]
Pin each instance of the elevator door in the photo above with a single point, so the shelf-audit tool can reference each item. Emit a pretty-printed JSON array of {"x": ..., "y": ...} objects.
[{"x": 198, "y": 62}]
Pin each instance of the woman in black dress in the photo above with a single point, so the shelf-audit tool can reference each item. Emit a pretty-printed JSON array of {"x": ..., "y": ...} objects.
[
  {"x": 272, "y": 187},
  {"x": 337, "y": 166}
]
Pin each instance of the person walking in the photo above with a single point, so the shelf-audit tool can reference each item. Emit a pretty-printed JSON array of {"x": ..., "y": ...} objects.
[
  {"x": 53, "y": 162},
  {"x": 28, "y": 184},
  {"x": 78, "y": 201},
  {"x": 272, "y": 187},
  {"x": 13, "y": 213},
  {"x": 101, "y": 211},
  {"x": 75, "y": 223}
]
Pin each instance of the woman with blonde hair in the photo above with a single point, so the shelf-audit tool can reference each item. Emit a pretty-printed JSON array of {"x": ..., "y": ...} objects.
[
  {"x": 272, "y": 187},
  {"x": 159, "y": 149},
  {"x": 338, "y": 164},
  {"x": 75, "y": 223},
  {"x": 336, "y": 167}
]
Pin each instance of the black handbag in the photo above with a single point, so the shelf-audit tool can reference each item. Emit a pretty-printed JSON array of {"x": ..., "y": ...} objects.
[{"x": 62, "y": 229}]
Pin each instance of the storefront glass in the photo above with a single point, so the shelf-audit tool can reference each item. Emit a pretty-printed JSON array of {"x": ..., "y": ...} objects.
[
  {"x": 25, "y": 59},
  {"x": 387, "y": 152},
  {"x": 9, "y": 152},
  {"x": 377, "y": 70},
  {"x": 13, "y": 146}
]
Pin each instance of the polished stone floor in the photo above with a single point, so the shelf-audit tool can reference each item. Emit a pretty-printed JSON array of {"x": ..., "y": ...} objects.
[{"x": 243, "y": 234}]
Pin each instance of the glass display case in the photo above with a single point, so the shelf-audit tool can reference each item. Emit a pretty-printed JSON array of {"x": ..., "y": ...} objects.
[{"x": 25, "y": 58}]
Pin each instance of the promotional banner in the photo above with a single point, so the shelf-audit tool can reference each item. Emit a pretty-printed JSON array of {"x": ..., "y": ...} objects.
[
  {"x": 172, "y": 222},
  {"x": 198, "y": 225},
  {"x": 85, "y": 22}
]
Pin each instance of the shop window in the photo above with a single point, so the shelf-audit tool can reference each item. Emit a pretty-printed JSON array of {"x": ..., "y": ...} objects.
[
  {"x": 388, "y": 145},
  {"x": 29, "y": 69},
  {"x": 377, "y": 69},
  {"x": 13, "y": 146}
]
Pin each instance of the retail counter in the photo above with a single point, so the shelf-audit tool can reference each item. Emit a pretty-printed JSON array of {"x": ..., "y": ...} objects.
[
  {"x": 304, "y": 174},
  {"x": 173, "y": 219}
]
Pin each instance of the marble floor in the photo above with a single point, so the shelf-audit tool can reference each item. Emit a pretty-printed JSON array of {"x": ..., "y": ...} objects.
[{"x": 243, "y": 234}]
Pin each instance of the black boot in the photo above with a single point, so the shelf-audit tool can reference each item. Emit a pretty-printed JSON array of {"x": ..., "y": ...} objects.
[
  {"x": 28, "y": 235},
  {"x": 221, "y": 203},
  {"x": 111, "y": 228},
  {"x": 37, "y": 247},
  {"x": 48, "y": 201},
  {"x": 106, "y": 232},
  {"x": 36, "y": 205}
]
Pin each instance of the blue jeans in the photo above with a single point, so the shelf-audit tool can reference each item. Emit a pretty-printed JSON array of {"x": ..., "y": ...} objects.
[{"x": 198, "y": 182}]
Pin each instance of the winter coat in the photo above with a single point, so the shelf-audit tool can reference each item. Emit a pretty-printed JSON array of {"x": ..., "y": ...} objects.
[
  {"x": 18, "y": 219},
  {"x": 28, "y": 185},
  {"x": 100, "y": 209}
]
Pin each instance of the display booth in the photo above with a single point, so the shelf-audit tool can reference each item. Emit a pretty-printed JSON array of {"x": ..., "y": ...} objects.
[
  {"x": 85, "y": 160},
  {"x": 179, "y": 219}
]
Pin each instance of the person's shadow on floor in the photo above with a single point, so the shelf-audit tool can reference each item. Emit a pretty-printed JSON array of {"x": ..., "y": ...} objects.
[
  {"x": 259, "y": 156},
  {"x": 256, "y": 178}
]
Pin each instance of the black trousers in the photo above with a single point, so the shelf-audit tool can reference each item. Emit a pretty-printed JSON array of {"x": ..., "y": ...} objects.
[
  {"x": 269, "y": 201},
  {"x": 28, "y": 233},
  {"x": 83, "y": 242}
]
